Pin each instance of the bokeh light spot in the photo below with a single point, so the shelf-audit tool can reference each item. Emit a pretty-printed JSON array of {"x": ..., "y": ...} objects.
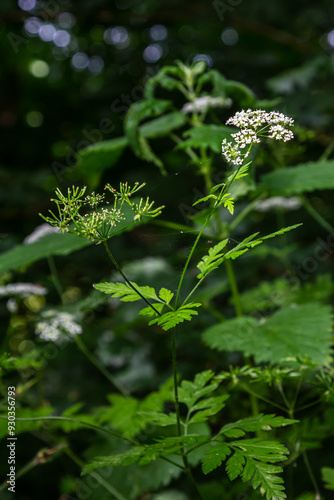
[
  {"x": 80, "y": 61},
  {"x": 34, "y": 119},
  {"x": 39, "y": 69},
  {"x": 61, "y": 38},
  {"x": 229, "y": 36},
  {"x": 158, "y": 32},
  {"x": 152, "y": 53},
  {"x": 27, "y": 4},
  {"x": 47, "y": 32}
]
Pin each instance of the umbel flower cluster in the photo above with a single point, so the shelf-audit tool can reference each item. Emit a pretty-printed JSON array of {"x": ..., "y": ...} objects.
[
  {"x": 253, "y": 125},
  {"x": 83, "y": 215}
]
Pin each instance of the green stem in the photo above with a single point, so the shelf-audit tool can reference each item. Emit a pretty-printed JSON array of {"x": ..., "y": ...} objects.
[
  {"x": 84, "y": 349},
  {"x": 315, "y": 214},
  {"x": 102, "y": 429},
  {"x": 126, "y": 279},
  {"x": 96, "y": 476},
  {"x": 312, "y": 477},
  {"x": 234, "y": 288},
  {"x": 176, "y": 395},
  {"x": 55, "y": 277}
]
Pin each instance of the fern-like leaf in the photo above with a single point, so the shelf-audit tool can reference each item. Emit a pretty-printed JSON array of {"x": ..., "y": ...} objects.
[
  {"x": 124, "y": 292},
  {"x": 172, "y": 318},
  {"x": 215, "y": 457}
]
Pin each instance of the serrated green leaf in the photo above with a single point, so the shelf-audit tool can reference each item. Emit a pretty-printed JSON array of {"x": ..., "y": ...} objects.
[
  {"x": 148, "y": 311},
  {"x": 124, "y": 292},
  {"x": 191, "y": 392},
  {"x": 234, "y": 465},
  {"x": 295, "y": 331},
  {"x": 173, "y": 318},
  {"x": 215, "y": 457},
  {"x": 258, "y": 422},
  {"x": 206, "y": 408},
  {"x": 306, "y": 177},
  {"x": 214, "y": 258},
  {"x": 166, "y": 295}
]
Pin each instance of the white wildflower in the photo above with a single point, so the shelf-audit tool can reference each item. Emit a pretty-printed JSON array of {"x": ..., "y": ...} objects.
[
  {"x": 22, "y": 290},
  {"x": 253, "y": 125},
  {"x": 58, "y": 327},
  {"x": 279, "y": 202},
  {"x": 202, "y": 104},
  {"x": 39, "y": 232}
]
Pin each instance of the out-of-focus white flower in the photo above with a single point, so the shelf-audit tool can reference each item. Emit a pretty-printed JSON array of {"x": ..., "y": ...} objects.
[
  {"x": 202, "y": 104},
  {"x": 22, "y": 290},
  {"x": 39, "y": 232},
  {"x": 58, "y": 327},
  {"x": 280, "y": 202}
]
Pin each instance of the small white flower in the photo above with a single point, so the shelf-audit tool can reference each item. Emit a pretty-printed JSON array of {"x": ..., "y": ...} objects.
[
  {"x": 39, "y": 232},
  {"x": 22, "y": 290},
  {"x": 58, "y": 327},
  {"x": 280, "y": 202},
  {"x": 253, "y": 125},
  {"x": 202, "y": 104}
]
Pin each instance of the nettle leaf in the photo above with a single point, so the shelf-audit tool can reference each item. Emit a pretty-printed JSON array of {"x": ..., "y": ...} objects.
[
  {"x": 124, "y": 292},
  {"x": 215, "y": 257},
  {"x": 209, "y": 136},
  {"x": 306, "y": 177},
  {"x": 215, "y": 457},
  {"x": 293, "y": 332},
  {"x": 250, "y": 462},
  {"x": 172, "y": 318},
  {"x": 252, "y": 424}
]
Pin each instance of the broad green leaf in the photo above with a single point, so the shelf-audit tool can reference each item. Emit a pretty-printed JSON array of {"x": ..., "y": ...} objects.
[
  {"x": 208, "y": 136},
  {"x": 293, "y": 332},
  {"x": 124, "y": 292},
  {"x": 57, "y": 244},
  {"x": 50, "y": 244},
  {"x": 215, "y": 457},
  {"x": 138, "y": 112},
  {"x": 306, "y": 177},
  {"x": 93, "y": 160},
  {"x": 328, "y": 477},
  {"x": 173, "y": 318}
]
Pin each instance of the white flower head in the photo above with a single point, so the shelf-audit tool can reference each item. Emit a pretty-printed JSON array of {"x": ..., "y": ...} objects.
[
  {"x": 58, "y": 327},
  {"x": 22, "y": 290},
  {"x": 253, "y": 125}
]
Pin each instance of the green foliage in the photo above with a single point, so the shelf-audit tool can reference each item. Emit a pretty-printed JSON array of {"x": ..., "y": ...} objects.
[
  {"x": 215, "y": 257},
  {"x": 307, "y": 177},
  {"x": 294, "y": 332},
  {"x": 173, "y": 318},
  {"x": 328, "y": 477}
]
